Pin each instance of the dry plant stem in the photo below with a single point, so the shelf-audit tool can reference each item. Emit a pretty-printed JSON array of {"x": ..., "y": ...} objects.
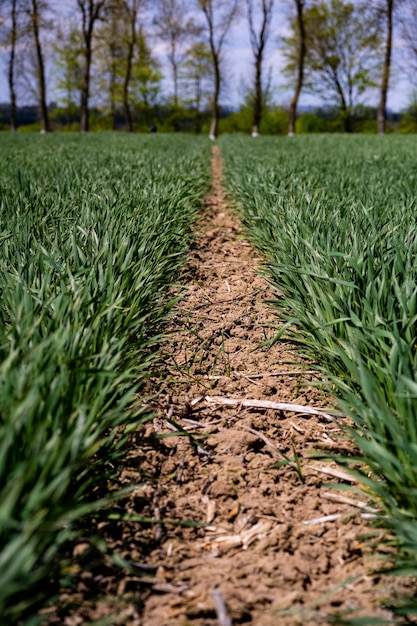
[
  {"x": 175, "y": 428},
  {"x": 323, "y": 520},
  {"x": 221, "y": 610},
  {"x": 269, "y": 444},
  {"x": 339, "y": 498},
  {"x": 263, "y": 374},
  {"x": 228, "y": 301},
  {"x": 335, "y": 473},
  {"x": 157, "y": 516},
  {"x": 267, "y": 404},
  {"x": 283, "y": 373}
]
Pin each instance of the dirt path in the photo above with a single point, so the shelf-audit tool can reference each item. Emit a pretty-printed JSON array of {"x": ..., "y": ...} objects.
[{"x": 265, "y": 563}]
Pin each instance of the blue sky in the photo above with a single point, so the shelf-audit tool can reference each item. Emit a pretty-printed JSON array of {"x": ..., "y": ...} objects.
[{"x": 238, "y": 65}]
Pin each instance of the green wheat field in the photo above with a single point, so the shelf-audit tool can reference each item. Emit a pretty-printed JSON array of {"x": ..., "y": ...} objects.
[{"x": 93, "y": 232}]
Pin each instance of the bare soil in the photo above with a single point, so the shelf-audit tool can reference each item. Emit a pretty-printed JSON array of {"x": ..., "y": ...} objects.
[{"x": 277, "y": 545}]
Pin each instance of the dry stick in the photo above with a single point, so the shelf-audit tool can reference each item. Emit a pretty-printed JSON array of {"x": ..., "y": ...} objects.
[
  {"x": 195, "y": 400},
  {"x": 323, "y": 520},
  {"x": 219, "y": 264},
  {"x": 195, "y": 424},
  {"x": 253, "y": 381},
  {"x": 267, "y": 404},
  {"x": 284, "y": 373},
  {"x": 263, "y": 375},
  {"x": 228, "y": 301},
  {"x": 269, "y": 444},
  {"x": 221, "y": 611},
  {"x": 335, "y": 473},
  {"x": 157, "y": 516},
  {"x": 335, "y": 497},
  {"x": 172, "y": 426},
  {"x": 180, "y": 470},
  {"x": 336, "y": 516}
]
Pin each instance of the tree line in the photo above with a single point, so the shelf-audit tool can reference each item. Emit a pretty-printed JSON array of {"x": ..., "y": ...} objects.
[{"x": 337, "y": 49}]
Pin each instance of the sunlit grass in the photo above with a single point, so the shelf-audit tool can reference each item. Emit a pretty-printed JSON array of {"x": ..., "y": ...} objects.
[
  {"x": 92, "y": 232},
  {"x": 335, "y": 219}
]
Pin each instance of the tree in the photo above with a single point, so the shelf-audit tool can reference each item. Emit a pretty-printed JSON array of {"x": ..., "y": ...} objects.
[
  {"x": 408, "y": 23},
  {"x": 109, "y": 60},
  {"x": 146, "y": 78},
  {"x": 175, "y": 28},
  {"x": 130, "y": 11},
  {"x": 382, "y": 106},
  {"x": 195, "y": 72},
  {"x": 126, "y": 68},
  {"x": 35, "y": 10},
  {"x": 69, "y": 71},
  {"x": 342, "y": 54},
  {"x": 258, "y": 42},
  {"x": 382, "y": 13},
  {"x": 11, "y": 39},
  {"x": 91, "y": 11},
  {"x": 300, "y": 46},
  {"x": 219, "y": 16},
  {"x": 408, "y": 123}
]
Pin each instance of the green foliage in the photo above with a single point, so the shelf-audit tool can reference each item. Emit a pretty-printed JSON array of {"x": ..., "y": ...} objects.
[
  {"x": 274, "y": 122},
  {"x": 366, "y": 127},
  {"x": 343, "y": 54},
  {"x": 146, "y": 79},
  {"x": 408, "y": 122},
  {"x": 334, "y": 218},
  {"x": 310, "y": 123},
  {"x": 240, "y": 122},
  {"x": 69, "y": 67},
  {"x": 92, "y": 230},
  {"x": 65, "y": 118},
  {"x": 195, "y": 75},
  {"x": 35, "y": 127}
]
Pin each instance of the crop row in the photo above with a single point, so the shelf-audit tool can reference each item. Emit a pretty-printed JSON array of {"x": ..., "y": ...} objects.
[
  {"x": 92, "y": 232},
  {"x": 335, "y": 220}
]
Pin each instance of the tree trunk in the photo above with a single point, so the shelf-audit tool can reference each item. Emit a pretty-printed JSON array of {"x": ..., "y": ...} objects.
[
  {"x": 345, "y": 106},
  {"x": 300, "y": 68},
  {"x": 85, "y": 92},
  {"x": 215, "y": 112},
  {"x": 197, "y": 99},
  {"x": 131, "y": 14},
  {"x": 126, "y": 106},
  {"x": 382, "y": 107},
  {"x": 174, "y": 67},
  {"x": 41, "y": 69},
  {"x": 347, "y": 122},
  {"x": 217, "y": 34},
  {"x": 345, "y": 114},
  {"x": 258, "y": 43},
  {"x": 257, "y": 105},
  {"x": 91, "y": 12},
  {"x": 112, "y": 86},
  {"x": 13, "y": 107}
]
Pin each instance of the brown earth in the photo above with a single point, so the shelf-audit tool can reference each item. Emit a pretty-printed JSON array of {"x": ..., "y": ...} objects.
[{"x": 277, "y": 546}]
